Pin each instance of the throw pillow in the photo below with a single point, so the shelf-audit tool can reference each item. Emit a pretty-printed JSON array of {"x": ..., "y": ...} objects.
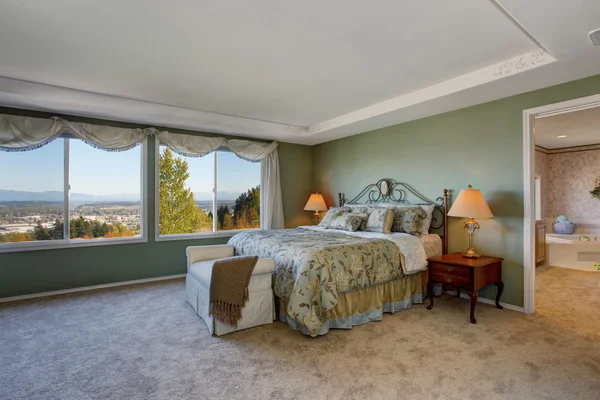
[{"x": 380, "y": 220}]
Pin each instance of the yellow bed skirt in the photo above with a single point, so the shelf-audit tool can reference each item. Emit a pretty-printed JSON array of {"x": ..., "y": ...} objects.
[{"x": 368, "y": 304}]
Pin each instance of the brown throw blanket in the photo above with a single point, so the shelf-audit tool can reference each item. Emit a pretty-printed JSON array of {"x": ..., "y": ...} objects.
[{"x": 229, "y": 288}]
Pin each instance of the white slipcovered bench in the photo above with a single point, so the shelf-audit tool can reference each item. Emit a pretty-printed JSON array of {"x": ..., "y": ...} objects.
[{"x": 260, "y": 307}]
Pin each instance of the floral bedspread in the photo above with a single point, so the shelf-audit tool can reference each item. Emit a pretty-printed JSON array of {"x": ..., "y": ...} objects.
[{"x": 313, "y": 266}]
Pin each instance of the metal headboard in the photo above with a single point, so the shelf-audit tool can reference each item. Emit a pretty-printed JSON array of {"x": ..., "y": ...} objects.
[{"x": 390, "y": 191}]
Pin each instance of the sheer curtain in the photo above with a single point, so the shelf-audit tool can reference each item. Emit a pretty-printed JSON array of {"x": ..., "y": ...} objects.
[{"x": 19, "y": 133}]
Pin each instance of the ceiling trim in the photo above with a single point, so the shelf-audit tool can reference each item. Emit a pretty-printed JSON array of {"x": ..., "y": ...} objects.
[
  {"x": 570, "y": 149},
  {"x": 22, "y": 94},
  {"x": 482, "y": 76}
]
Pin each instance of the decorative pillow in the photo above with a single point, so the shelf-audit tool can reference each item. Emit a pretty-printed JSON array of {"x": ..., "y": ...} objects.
[
  {"x": 346, "y": 222},
  {"x": 399, "y": 212},
  {"x": 364, "y": 217},
  {"x": 427, "y": 221},
  {"x": 380, "y": 220},
  {"x": 409, "y": 220},
  {"x": 330, "y": 215},
  {"x": 360, "y": 210}
]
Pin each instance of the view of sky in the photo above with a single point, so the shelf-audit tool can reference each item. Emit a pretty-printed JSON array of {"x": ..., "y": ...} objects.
[
  {"x": 34, "y": 171},
  {"x": 92, "y": 171},
  {"x": 234, "y": 174},
  {"x": 97, "y": 172}
]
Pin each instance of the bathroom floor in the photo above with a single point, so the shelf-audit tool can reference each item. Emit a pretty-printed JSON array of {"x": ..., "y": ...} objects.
[{"x": 569, "y": 297}]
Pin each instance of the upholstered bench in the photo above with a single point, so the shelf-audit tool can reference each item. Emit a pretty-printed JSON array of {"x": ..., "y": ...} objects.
[{"x": 259, "y": 308}]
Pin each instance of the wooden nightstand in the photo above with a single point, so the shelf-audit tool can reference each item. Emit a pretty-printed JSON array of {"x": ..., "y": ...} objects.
[{"x": 468, "y": 274}]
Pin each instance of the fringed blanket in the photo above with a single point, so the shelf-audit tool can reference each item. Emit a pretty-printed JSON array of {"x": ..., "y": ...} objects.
[{"x": 229, "y": 288}]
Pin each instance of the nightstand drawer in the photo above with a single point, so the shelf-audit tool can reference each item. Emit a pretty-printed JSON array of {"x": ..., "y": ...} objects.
[
  {"x": 440, "y": 268},
  {"x": 451, "y": 280}
]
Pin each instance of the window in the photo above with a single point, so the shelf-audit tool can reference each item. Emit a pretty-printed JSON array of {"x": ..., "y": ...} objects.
[
  {"x": 192, "y": 191},
  {"x": 103, "y": 195}
]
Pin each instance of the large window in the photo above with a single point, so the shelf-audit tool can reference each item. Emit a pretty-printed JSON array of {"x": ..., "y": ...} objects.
[
  {"x": 69, "y": 192},
  {"x": 192, "y": 191}
]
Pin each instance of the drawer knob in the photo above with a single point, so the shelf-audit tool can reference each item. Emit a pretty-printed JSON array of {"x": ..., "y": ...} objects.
[
  {"x": 448, "y": 279},
  {"x": 449, "y": 269}
]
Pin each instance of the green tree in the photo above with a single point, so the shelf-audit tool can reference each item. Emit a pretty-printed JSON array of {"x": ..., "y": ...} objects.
[
  {"x": 178, "y": 210},
  {"x": 222, "y": 211},
  {"x": 246, "y": 210},
  {"x": 41, "y": 233},
  {"x": 227, "y": 222}
]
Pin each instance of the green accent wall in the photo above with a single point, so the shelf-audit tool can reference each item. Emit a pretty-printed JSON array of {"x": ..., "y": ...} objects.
[
  {"x": 480, "y": 145},
  {"x": 30, "y": 272}
]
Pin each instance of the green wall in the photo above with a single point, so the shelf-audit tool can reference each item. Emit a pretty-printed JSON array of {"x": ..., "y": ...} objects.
[
  {"x": 480, "y": 145},
  {"x": 47, "y": 270}
]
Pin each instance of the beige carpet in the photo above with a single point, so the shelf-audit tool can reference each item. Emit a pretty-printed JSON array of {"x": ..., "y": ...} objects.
[{"x": 144, "y": 342}]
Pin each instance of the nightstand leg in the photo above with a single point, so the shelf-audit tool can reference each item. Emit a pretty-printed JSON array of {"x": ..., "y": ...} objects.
[
  {"x": 474, "y": 296},
  {"x": 430, "y": 294},
  {"x": 500, "y": 289},
  {"x": 457, "y": 292}
]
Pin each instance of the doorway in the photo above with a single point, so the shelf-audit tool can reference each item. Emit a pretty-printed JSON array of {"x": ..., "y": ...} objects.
[{"x": 530, "y": 183}]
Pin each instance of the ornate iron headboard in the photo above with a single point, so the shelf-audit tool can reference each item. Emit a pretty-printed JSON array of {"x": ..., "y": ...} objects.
[{"x": 390, "y": 191}]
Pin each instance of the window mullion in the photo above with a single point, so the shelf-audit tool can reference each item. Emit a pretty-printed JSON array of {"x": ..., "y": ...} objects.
[
  {"x": 67, "y": 190},
  {"x": 215, "y": 192}
]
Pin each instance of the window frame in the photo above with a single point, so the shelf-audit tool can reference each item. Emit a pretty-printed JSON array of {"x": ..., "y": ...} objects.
[
  {"x": 189, "y": 236},
  {"x": 67, "y": 242}
]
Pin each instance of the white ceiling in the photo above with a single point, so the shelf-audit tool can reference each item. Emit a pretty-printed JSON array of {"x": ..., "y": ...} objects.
[
  {"x": 305, "y": 72},
  {"x": 581, "y": 128}
]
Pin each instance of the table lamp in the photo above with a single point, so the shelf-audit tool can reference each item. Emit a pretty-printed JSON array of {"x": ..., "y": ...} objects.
[
  {"x": 470, "y": 204},
  {"x": 316, "y": 203}
]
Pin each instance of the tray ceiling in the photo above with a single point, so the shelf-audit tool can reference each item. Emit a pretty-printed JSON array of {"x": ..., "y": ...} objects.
[{"x": 306, "y": 72}]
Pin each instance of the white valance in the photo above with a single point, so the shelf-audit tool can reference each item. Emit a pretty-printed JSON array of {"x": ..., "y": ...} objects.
[
  {"x": 24, "y": 133},
  {"x": 199, "y": 146},
  {"x": 19, "y": 133}
]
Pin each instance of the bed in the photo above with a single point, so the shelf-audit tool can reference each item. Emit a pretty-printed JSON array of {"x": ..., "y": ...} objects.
[{"x": 328, "y": 278}]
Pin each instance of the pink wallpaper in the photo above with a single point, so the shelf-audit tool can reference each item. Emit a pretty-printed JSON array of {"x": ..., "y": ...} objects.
[{"x": 569, "y": 178}]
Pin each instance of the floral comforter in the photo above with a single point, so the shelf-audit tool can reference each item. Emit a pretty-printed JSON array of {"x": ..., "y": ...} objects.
[{"x": 314, "y": 265}]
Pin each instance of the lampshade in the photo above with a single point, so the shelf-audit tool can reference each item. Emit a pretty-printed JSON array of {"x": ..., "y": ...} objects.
[
  {"x": 315, "y": 202},
  {"x": 470, "y": 204}
]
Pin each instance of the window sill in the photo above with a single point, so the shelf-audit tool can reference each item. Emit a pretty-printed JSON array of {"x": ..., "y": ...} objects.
[
  {"x": 64, "y": 244},
  {"x": 206, "y": 235}
]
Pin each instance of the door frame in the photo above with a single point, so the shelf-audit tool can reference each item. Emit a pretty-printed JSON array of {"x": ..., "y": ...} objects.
[{"x": 529, "y": 117}]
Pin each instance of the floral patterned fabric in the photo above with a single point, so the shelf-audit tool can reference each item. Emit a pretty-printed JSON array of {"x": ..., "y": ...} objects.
[
  {"x": 313, "y": 267},
  {"x": 409, "y": 220},
  {"x": 380, "y": 220},
  {"x": 315, "y": 264},
  {"x": 347, "y": 221},
  {"x": 330, "y": 215}
]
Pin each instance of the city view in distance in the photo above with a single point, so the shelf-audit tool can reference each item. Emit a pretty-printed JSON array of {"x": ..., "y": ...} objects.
[{"x": 103, "y": 199}]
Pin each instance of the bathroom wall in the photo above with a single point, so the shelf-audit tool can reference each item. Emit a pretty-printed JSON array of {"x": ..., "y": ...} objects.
[{"x": 570, "y": 176}]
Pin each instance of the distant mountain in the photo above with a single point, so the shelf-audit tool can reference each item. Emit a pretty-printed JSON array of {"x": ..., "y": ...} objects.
[
  {"x": 17, "y": 195},
  {"x": 203, "y": 196}
]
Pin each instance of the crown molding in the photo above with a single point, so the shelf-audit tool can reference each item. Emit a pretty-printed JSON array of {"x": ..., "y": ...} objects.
[
  {"x": 570, "y": 149},
  {"x": 513, "y": 66},
  {"x": 42, "y": 97}
]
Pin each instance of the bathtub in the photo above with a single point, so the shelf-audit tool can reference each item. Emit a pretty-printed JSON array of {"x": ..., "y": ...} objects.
[{"x": 577, "y": 251}]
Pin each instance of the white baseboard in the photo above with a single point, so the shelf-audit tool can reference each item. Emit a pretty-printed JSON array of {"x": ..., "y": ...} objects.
[
  {"x": 493, "y": 302},
  {"x": 89, "y": 288}
]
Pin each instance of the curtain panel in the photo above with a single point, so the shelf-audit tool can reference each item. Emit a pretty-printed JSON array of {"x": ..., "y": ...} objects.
[{"x": 19, "y": 133}]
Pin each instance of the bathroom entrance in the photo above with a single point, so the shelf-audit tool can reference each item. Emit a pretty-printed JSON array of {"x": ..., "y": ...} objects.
[{"x": 564, "y": 199}]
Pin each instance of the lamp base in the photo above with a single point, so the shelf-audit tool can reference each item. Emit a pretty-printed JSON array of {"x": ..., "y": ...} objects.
[
  {"x": 471, "y": 253},
  {"x": 317, "y": 217}
]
